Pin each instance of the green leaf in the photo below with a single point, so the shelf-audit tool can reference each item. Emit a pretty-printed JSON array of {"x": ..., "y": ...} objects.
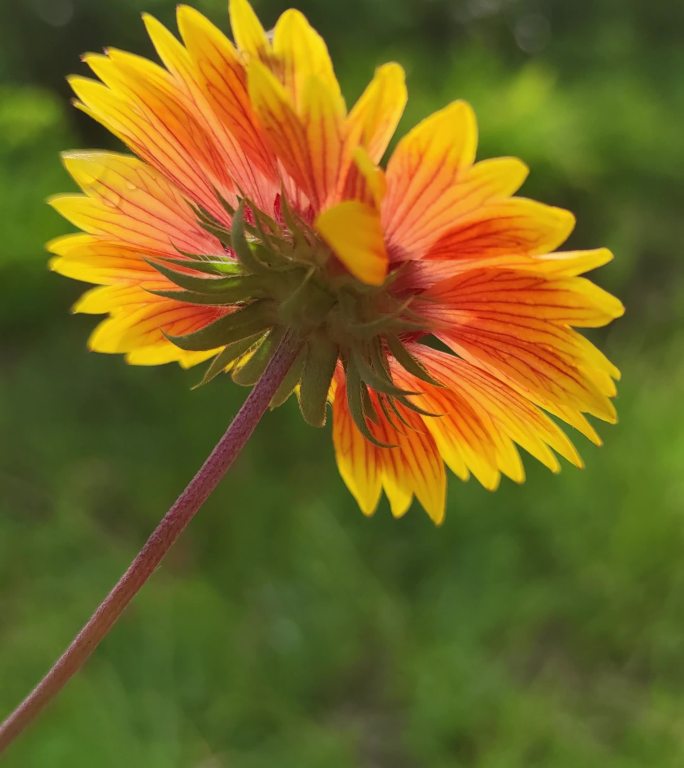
[
  {"x": 319, "y": 368},
  {"x": 235, "y": 326}
]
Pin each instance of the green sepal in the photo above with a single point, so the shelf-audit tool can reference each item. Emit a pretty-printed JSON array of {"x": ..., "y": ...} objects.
[
  {"x": 368, "y": 407},
  {"x": 212, "y": 225},
  {"x": 356, "y": 394},
  {"x": 227, "y": 356},
  {"x": 416, "y": 408},
  {"x": 319, "y": 368},
  {"x": 235, "y": 326},
  {"x": 394, "y": 321},
  {"x": 193, "y": 283},
  {"x": 246, "y": 256},
  {"x": 290, "y": 381},
  {"x": 265, "y": 228},
  {"x": 387, "y": 404},
  {"x": 224, "y": 299},
  {"x": 409, "y": 362},
  {"x": 247, "y": 374},
  {"x": 208, "y": 265},
  {"x": 376, "y": 379}
]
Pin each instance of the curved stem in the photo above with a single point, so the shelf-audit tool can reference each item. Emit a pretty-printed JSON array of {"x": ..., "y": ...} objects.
[{"x": 158, "y": 544}]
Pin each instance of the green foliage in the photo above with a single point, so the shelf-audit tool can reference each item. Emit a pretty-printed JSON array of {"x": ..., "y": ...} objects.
[{"x": 540, "y": 626}]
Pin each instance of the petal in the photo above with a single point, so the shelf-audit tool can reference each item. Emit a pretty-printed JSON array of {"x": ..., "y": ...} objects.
[
  {"x": 549, "y": 366},
  {"x": 249, "y": 35},
  {"x": 504, "y": 413},
  {"x": 160, "y": 354},
  {"x": 283, "y": 127},
  {"x": 329, "y": 152},
  {"x": 570, "y": 263},
  {"x": 144, "y": 106},
  {"x": 367, "y": 183},
  {"x": 358, "y": 459},
  {"x": 516, "y": 296},
  {"x": 485, "y": 182},
  {"x": 352, "y": 229},
  {"x": 301, "y": 53},
  {"x": 147, "y": 325},
  {"x": 514, "y": 227},
  {"x": 411, "y": 466},
  {"x": 220, "y": 77},
  {"x": 93, "y": 260},
  {"x": 427, "y": 163},
  {"x": 375, "y": 116},
  {"x": 110, "y": 298},
  {"x": 129, "y": 202}
]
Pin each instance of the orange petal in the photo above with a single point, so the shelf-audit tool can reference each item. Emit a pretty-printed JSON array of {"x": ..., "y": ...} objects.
[
  {"x": 283, "y": 127},
  {"x": 411, "y": 466},
  {"x": 426, "y": 164},
  {"x": 352, "y": 229},
  {"x": 129, "y": 202},
  {"x": 514, "y": 296},
  {"x": 219, "y": 76},
  {"x": 514, "y": 227},
  {"x": 146, "y": 108},
  {"x": 365, "y": 181},
  {"x": 503, "y": 413},
  {"x": 329, "y": 152},
  {"x": 550, "y": 367}
]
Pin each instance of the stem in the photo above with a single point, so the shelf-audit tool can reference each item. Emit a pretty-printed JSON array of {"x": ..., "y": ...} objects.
[{"x": 162, "y": 539}]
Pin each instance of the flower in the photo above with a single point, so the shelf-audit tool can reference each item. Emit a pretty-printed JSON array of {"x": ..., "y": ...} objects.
[{"x": 434, "y": 311}]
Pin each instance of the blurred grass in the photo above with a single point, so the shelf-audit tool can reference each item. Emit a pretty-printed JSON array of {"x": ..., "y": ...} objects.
[{"x": 541, "y": 626}]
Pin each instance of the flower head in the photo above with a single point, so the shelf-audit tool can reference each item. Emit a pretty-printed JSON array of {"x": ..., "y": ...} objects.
[{"x": 434, "y": 311}]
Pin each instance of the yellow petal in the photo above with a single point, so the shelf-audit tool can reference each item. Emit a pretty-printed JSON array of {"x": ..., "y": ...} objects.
[
  {"x": 300, "y": 53},
  {"x": 366, "y": 181},
  {"x": 357, "y": 459},
  {"x": 249, "y": 35},
  {"x": 352, "y": 229},
  {"x": 375, "y": 115}
]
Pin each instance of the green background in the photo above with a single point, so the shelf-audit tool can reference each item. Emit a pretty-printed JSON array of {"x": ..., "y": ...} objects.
[{"x": 540, "y": 626}]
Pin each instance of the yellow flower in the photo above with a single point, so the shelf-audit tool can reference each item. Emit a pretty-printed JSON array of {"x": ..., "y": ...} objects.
[{"x": 434, "y": 310}]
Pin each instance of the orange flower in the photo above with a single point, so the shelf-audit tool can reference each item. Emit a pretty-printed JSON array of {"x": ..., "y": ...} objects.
[{"x": 433, "y": 308}]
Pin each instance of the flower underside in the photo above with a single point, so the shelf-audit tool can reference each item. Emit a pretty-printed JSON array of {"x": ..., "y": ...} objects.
[
  {"x": 279, "y": 277},
  {"x": 435, "y": 314}
]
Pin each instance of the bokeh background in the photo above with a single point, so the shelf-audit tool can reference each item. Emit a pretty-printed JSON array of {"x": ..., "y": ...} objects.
[{"x": 540, "y": 626}]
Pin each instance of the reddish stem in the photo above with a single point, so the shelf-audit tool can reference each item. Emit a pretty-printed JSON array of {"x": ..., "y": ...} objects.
[{"x": 162, "y": 539}]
